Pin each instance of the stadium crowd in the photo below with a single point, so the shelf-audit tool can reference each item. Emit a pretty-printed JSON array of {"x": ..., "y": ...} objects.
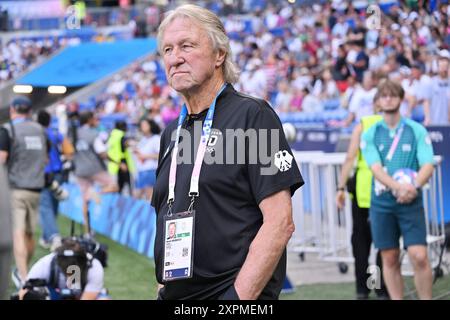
[
  {"x": 16, "y": 56},
  {"x": 312, "y": 59}
]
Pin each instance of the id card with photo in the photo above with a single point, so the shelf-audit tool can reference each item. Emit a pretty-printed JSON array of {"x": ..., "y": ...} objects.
[{"x": 178, "y": 246}]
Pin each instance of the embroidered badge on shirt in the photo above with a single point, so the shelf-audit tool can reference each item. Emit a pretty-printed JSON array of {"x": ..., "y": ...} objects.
[{"x": 283, "y": 160}]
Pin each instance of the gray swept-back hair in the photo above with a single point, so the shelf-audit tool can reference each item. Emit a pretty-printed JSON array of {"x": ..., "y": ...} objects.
[{"x": 213, "y": 27}]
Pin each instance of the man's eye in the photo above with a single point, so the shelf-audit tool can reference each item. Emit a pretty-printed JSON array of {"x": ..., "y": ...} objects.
[
  {"x": 187, "y": 46},
  {"x": 167, "y": 50}
]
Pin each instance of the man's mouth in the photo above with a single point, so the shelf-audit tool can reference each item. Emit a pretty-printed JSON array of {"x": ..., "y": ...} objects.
[{"x": 178, "y": 73}]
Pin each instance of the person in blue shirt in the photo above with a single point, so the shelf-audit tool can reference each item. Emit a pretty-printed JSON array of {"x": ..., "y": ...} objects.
[
  {"x": 52, "y": 193},
  {"x": 396, "y": 210}
]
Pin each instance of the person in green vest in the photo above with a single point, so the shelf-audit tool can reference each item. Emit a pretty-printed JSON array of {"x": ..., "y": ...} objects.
[
  {"x": 359, "y": 187},
  {"x": 80, "y": 11},
  {"x": 120, "y": 163}
]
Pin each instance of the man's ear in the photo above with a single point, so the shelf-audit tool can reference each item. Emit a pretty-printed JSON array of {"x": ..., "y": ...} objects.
[{"x": 220, "y": 60}]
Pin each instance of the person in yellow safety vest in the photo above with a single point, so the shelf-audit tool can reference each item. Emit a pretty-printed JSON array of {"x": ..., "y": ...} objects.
[
  {"x": 360, "y": 187},
  {"x": 80, "y": 10},
  {"x": 120, "y": 163}
]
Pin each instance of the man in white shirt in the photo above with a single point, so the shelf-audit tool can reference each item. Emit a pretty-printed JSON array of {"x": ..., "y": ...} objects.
[
  {"x": 361, "y": 103},
  {"x": 70, "y": 267},
  {"x": 416, "y": 87},
  {"x": 438, "y": 100}
]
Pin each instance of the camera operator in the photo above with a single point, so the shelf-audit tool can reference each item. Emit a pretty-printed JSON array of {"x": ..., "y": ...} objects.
[
  {"x": 23, "y": 148},
  {"x": 69, "y": 273},
  {"x": 53, "y": 192}
]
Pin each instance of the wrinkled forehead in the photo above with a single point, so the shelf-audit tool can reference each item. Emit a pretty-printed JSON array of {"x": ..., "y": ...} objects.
[{"x": 182, "y": 28}]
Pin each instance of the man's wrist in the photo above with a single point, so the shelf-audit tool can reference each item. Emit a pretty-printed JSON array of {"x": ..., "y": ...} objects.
[{"x": 416, "y": 184}]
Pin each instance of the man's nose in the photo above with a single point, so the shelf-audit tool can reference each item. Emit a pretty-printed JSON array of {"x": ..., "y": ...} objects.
[{"x": 175, "y": 58}]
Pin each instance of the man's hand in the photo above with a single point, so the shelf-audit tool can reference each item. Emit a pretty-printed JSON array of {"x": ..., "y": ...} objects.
[
  {"x": 140, "y": 156},
  {"x": 405, "y": 193},
  {"x": 268, "y": 245},
  {"x": 89, "y": 295},
  {"x": 159, "y": 287},
  {"x": 123, "y": 167},
  {"x": 340, "y": 199}
]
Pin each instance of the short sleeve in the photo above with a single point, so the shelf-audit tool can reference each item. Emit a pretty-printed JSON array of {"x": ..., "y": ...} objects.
[
  {"x": 271, "y": 163},
  {"x": 94, "y": 277},
  {"x": 165, "y": 146},
  {"x": 368, "y": 148},
  {"x": 354, "y": 102},
  {"x": 156, "y": 144},
  {"x": 41, "y": 269},
  {"x": 425, "y": 152}
]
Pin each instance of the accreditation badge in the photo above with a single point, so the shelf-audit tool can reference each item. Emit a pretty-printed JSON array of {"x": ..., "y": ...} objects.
[{"x": 178, "y": 245}]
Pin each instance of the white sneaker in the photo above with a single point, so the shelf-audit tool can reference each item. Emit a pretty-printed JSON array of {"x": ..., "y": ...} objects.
[
  {"x": 44, "y": 244},
  {"x": 55, "y": 243}
]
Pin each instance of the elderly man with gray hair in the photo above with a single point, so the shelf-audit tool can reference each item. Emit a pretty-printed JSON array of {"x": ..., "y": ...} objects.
[{"x": 225, "y": 175}]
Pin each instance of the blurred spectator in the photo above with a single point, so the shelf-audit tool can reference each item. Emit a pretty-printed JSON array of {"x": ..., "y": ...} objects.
[
  {"x": 284, "y": 97},
  {"x": 361, "y": 103},
  {"x": 88, "y": 160},
  {"x": 357, "y": 59},
  {"x": 52, "y": 193},
  {"x": 168, "y": 114},
  {"x": 120, "y": 163},
  {"x": 254, "y": 79},
  {"x": 340, "y": 69},
  {"x": 146, "y": 153},
  {"x": 16, "y": 56},
  {"x": 437, "y": 104},
  {"x": 310, "y": 102},
  {"x": 325, "y": 87}
]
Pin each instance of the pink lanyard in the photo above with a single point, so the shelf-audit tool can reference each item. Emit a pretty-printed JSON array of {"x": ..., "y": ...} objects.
[{"x": 206, "y": 130}]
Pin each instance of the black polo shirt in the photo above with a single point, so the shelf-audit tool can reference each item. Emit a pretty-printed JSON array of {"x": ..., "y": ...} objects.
[{"x": 228, "y": 216}]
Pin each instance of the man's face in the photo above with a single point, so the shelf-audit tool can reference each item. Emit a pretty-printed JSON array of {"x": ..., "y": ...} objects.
[
  {"x": 389, "y": 103},
  {"x": 172, "y": 230},
  {"x": 416, "y": 73},
  {"x": 443, "y": 67},
  {"x": 367, "y": 81},
  {"x": 189, "y": 58},
  {"x": 93, "y": 122}
]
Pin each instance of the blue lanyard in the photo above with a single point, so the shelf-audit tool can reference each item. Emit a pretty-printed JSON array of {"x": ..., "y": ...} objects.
[{"x": 206, "y": 130}]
